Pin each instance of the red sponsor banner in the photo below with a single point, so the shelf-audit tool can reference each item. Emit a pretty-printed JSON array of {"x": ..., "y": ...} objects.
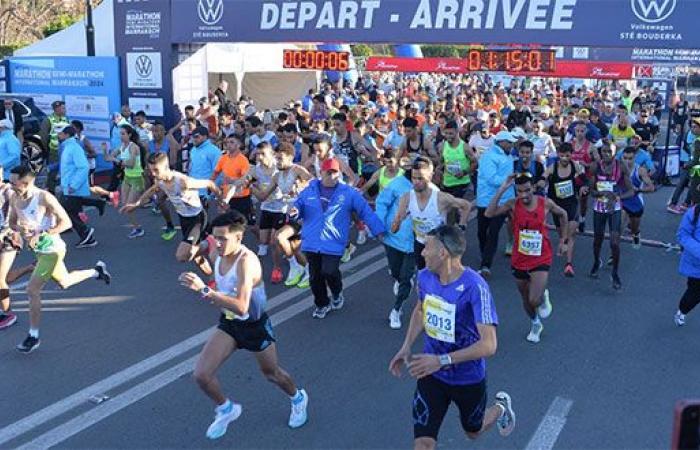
[
  {"x": 392, "y": 64},
  {"x": 601, "y": 70}
]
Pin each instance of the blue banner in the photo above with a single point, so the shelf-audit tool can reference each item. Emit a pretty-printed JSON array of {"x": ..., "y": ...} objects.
[
  {"x": 681, "y": 56},
  {"x": 598, "y": 23},
  {"x": 90, "y": 87}
]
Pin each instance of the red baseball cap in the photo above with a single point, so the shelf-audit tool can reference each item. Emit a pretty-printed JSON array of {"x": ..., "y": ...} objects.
[{"x": 330, "y": 164}]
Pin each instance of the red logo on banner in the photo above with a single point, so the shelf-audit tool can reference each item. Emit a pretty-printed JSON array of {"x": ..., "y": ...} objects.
[{"x": 644, "y": 71}]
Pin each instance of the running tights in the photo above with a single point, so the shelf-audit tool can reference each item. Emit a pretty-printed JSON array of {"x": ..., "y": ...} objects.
[{"x": 691, "y": 297}]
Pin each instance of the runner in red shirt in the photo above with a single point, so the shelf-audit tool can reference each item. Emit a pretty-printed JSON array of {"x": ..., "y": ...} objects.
[{"x": 532, "y": 251}]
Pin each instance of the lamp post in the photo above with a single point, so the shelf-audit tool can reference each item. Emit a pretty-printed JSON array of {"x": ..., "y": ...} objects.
[{"x": 89, "y": 29}]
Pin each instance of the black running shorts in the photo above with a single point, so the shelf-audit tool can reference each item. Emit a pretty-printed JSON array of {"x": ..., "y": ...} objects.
[{"x": 254, "y": 336}]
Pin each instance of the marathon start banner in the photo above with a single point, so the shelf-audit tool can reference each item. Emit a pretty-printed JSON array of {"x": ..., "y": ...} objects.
[
  {"x": 600, "y": 70},
  {"x": 598, "y": 23}
]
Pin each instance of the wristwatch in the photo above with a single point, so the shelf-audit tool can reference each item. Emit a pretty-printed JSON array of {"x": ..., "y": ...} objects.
[
  {"x": 445, "y": 359},
  {"x": 205, "y": 291}
]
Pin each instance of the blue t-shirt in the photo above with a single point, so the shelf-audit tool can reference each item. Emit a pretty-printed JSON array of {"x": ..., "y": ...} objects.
[
  {"x": 450, "y": 315},
  {"x": 642, "y": 158}
]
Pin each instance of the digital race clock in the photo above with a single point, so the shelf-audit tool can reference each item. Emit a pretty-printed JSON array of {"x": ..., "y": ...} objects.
[
  {"x": 316, "y": 60},
  {"x": 511, "y": 60}
]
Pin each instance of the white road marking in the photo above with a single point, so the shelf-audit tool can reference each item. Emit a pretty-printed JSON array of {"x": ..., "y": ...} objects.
[
  {"x": 54, "y": 410},
  {"x": 548, "y": 431},
  {"x": 85, "y": 420}
]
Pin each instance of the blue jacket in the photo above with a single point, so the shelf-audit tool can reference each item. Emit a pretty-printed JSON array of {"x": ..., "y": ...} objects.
[
  {"x": 328, "y": 232},
  {"x": 386, "y": 205},
  {"x": 689, "y": 238},
  {"x": 203, "y": 160},
  {"x": 74, "y": 169},
  {"x": 494, "y": 168},
  {"x": 10, "y": 151}
]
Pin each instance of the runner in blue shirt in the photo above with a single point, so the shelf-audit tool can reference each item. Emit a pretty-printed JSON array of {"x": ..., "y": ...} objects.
[{"x": 458, "y": 315}]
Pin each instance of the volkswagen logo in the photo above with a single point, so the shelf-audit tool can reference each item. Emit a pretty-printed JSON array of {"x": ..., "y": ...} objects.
[
  {"x": 653, "y": 11},
  {"x": 143, "y": 66},
  {"x": 210, "y": 11}
]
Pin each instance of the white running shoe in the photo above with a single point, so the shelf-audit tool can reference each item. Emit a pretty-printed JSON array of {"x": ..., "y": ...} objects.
[
  {"x": 262, "y": 250},
  {"x": 545, "y": 309},
  {"x": 395, "y": 319},
  {"x": 505, "y": 423},
  {"x": 224, "y": 416},
  {"x": 679, "y": 318},
  {"x": 298, "y": 416},
  {"x": 361, "y": 237},
  {"x": 535, "y": 332}
]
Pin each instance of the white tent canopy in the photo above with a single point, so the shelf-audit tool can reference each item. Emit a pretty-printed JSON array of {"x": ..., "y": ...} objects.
[
  {"x": 72, "y": 42},
  {"x": 254, "y": 70}
]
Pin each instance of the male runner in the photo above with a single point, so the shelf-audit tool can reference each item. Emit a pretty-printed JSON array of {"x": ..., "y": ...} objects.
[
  {"x": 612, "y": 184},
  {"x": 634, "y": 205},
  {"x": 458, "y": 315},
  {"x": 427, "y": 206},
  {"x": 183, "y": 193},
  {"x": 40, "y": 220},
  {"x": 563, "y": 178},
  {"x": 532, "y": 252},
  {"x": 243, "y": 324},
  {"x": 458, "y": 161}
]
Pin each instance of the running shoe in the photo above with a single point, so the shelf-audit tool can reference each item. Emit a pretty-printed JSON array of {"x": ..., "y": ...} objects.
[
  {"x": 569, "y": 270},
  {"x": 114, "y": 198},
  {"x": 295, "y": 274},
  {"x": 361, "y": 237},
  {"x": 320, "y": 313},
  {"x": 349, "y": 251},
  {"x": 276, "y": 275},
  {"x": 679, "y": 318},
  {"x": 636, "y": 241},
  {"x": 262, "y": 250},
  {"x": 673, "y": 209},
  {"x": 225, "y": 414},
  {"x": 595, "y": 269},
  {"x": 298, "y": 416},
  {"x": 29, "y": 344},
  {"x": 338, "y": 302},
  {"x": 83, "y": 217},
  {"x": 535, "y": 332},
  {"x": 616, "y": 283},
  {"x": 506, "y": 422},
  {"x": 102, "y": 273},
  {"x": 545, "y": 309},
  {"x": 136, "y": 233},
  {"x": 304, "y": 283},
  {"x": 168, "y": 234},
  {"x": 485, "y": 272},
  {"x": 89, "y": 240},
  {"x": 395, "y": 319},
  {"x": 7, "y": 320}
]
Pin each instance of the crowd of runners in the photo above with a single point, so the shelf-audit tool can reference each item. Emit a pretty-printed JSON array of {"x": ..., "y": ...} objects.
[{"x": 403, "y": 160}]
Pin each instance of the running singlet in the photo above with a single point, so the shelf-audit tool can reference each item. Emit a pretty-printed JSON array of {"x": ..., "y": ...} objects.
[
  {"x": 273, "y": 203},
  {"x": 455, "y": 161},
  {"x": 531, "y": 246},
  {"x": 31, "y": 217},
  {"x": 414, "y": 153},
  {"x": 228, "y": 284},
  {"x": 345, "y": 150},
  {"x": 425, "y": 220},
  {"x": 635, "y": 203},
  {"x": 451, "y": 313},
  {"x": 563, "y": 190},
  {"x": 581, "y": 152},
  {"x": 185, "y": 201},
  {"x": 608, "y": 183}
]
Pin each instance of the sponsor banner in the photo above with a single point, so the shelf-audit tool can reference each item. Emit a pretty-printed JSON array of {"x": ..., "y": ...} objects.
[
  {"x": 648, "y": 71},
  {"x": 682, "y": 56},
  {"x": 597, "y": 70},
  {"x": 594, "y": 23},
  {"x": 89, "y": 86},
  {"x": 143, "y": 42},
  {"x": 440, "y": 65}
]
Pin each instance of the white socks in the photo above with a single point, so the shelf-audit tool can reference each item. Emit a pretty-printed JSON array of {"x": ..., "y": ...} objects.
[{"x": 34, "y": 332}]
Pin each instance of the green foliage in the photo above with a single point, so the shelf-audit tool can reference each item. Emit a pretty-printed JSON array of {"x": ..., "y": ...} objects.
[
  {"x": 362, "y": 50},
  {"x": 445, "y": 51},
  {"x": 59, "y": 23}
]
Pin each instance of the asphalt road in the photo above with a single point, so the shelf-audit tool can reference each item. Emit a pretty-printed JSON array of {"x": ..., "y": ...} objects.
[{"x": 606, "y": 374}]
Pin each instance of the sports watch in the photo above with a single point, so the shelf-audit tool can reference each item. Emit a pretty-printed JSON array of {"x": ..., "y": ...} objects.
[
  {"x": 205, "y": 291},
  {"x": 445, "y": 359}
]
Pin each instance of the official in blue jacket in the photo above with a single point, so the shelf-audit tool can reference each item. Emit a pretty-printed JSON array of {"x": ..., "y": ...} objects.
[
  {"x": 494, "y": 167},
  {"x": 203, "y": 157},
  {"x": 75, "y": 185},
  {"x": 689, "y": 238},
  {"x": 399, "y": 245},
  {"x": 10, "y": 148},
  {"x": 326, "y": 207}
]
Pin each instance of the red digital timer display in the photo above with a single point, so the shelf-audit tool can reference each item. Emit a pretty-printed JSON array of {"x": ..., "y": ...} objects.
[
  {"x": 511, "y": 60},
  {"x": 316, "y": 60}
]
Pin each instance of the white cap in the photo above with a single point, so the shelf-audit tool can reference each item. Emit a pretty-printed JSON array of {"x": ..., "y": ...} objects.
[
  {"x": 5, "y": 123},
  {"x": 505, "y": 136}
]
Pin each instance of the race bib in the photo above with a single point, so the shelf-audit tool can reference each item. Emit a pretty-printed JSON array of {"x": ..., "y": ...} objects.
[
  {"x": 454, "y": 167},
  {"x": 564, "y": 189},
  {"x": 530, "y": 242},
  {"x": 421, "y": 228},
  {"x": 439, "y": 319}
]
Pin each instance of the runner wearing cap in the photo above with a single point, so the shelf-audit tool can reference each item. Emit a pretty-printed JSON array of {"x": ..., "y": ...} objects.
[
  {"x": 326, "y": 207},
  {"x": 456, "y": 313},
  {"x": 495, "y": 166},
  {"x": 532, "y": 253}
]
